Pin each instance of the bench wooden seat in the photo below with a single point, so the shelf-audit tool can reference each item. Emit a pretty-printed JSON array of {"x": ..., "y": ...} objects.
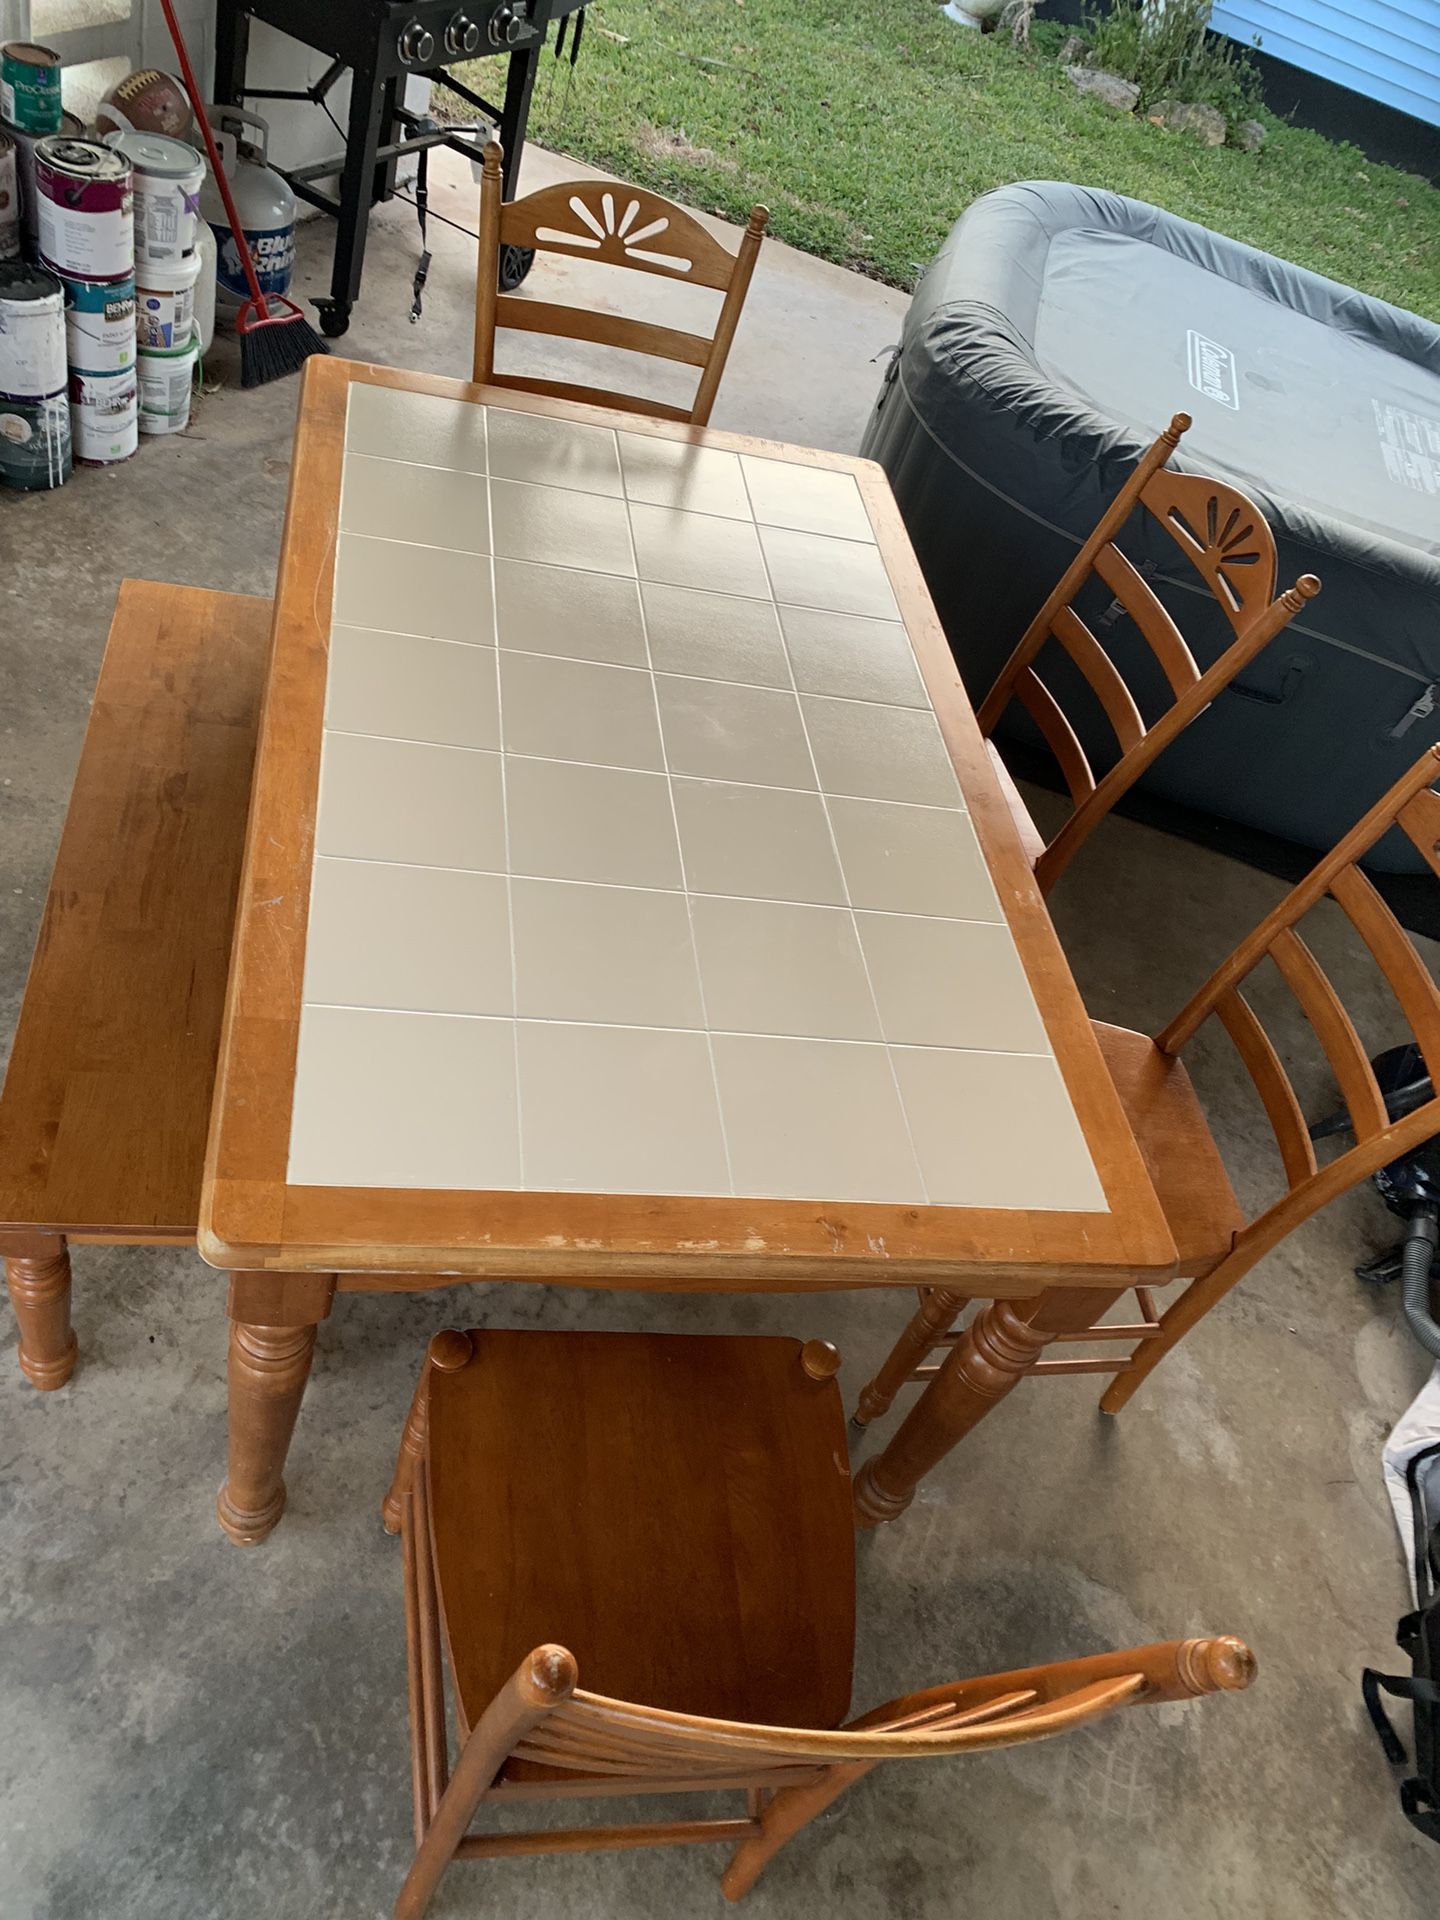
[{"x": 106, "y": 1102}]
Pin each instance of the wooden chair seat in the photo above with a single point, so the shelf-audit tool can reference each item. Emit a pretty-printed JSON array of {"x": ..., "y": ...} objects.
[
  {"x": 106, "y": 1103},
  {"x": 659, "y": 1461},
  {"x": 1177, "y": 1146}
]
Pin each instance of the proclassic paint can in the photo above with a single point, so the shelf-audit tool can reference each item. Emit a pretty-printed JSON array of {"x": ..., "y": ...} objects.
[
  {"x": 166, "y": 381},
  {"x": 168, "y": 175},
  {"x": 9, "y": 200},
  {"x": 103, "y": 416},
  {"x": 30, "y": 87},
  {"x": 86, "y": 227},
  {"x": 99, "y": 325},
  {"x": 34, "y": 417},
  {"x": 165, "y": 303},
  {"x": 72, "y": 127}
]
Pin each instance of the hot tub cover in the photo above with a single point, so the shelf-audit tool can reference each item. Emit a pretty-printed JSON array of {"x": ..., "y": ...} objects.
[{"x": 1056, "y": 332}]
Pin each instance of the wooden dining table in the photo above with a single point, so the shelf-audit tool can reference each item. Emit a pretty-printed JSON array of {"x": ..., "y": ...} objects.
[{"x": 629, "y": 901}]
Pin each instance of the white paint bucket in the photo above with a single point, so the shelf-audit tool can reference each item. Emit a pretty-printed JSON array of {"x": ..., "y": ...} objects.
[
  {"x": 166, "y": 383},
  {"x": 103, "y": 417},
  {"x": 165, "y": 303},
  {"x": 168, "y": 175},
  {"x": 32, "y": 332},
  {"x": 100, "y": 325}
]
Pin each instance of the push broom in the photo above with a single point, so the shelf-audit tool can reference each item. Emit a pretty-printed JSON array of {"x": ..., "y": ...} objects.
[{"x": 275, "y": 336}]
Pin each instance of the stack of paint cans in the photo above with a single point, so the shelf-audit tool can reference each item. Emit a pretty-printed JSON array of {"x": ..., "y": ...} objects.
[
  {"x": 34, "y": 398},
  {"x": 168, "y": 176},
  {"x": 87, "y": 238}
]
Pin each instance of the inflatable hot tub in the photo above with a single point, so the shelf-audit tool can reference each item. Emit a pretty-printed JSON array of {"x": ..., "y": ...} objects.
[{"x": 1058, "y": 330}]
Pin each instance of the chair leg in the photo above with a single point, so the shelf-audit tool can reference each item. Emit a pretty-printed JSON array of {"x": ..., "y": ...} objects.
[
  {"x": 789, "y": 1810},
  {"x": 412, "y": 1451},
  {"x": 936, "y": 1314},
  {"x": 37, "y": 1271},
  {"x": 1177, "y": 1320}
]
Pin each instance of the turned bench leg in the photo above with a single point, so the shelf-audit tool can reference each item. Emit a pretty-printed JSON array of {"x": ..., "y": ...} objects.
[
  {"x": 273, "y": 1318},
  {"x": 37, "y": 1271}
]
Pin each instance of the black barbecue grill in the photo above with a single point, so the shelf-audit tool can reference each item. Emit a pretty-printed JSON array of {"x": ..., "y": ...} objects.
[{"x": 380, "y": 43}]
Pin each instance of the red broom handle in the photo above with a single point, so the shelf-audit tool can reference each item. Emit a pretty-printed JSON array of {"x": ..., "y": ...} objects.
[{"x": 192, "y": 87}]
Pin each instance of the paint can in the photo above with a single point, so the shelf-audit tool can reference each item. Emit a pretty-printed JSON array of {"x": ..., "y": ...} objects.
[
  {"x": 99, "y": 324},
  {"x": 9, "y": 200},
  {"x": 103, "y": 416},
  {"x": 72, "y": 127},
  {"x": 87, "y": 230},
  {"x": 32, "y": 332},
  {"x": 165, "y": 303},
  {"x": 30, "y": 87},
  {"x": 35, "y": 442},
  {"x": 168, "y": 175},
  {"x": 166, "y": 383}
]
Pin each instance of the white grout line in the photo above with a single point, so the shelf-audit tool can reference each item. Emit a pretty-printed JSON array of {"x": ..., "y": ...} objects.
[{"x": 684, "y": 882}]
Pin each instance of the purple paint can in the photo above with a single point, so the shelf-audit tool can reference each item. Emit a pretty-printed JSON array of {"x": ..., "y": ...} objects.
[{"x": 86, "y": 207}]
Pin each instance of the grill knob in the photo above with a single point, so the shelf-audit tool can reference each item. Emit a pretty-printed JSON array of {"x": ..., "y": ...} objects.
[
  {"x": 416, "y": 45},
  {"x": 506, "y": 27},
  {"x": 462, "y": 36}
]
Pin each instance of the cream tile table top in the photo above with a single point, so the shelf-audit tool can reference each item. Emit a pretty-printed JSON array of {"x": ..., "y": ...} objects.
[{"x": 624, "y": 899}]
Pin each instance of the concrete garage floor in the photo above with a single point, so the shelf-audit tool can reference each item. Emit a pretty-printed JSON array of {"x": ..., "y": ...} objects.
[{"x": 194, "y": 1731}]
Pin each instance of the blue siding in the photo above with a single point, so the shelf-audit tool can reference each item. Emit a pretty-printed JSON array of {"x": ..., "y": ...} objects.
[{"x": 1387, "y": 50}]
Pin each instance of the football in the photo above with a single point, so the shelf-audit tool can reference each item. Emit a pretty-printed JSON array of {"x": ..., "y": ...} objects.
[{"x": 148, "y": 101}]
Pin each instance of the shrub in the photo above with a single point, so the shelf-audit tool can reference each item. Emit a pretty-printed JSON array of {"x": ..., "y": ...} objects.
[{"x": 1163, "y": 47}]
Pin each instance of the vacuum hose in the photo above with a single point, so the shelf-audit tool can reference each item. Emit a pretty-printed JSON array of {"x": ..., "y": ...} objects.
[{"x": 1416, "y": 1259}]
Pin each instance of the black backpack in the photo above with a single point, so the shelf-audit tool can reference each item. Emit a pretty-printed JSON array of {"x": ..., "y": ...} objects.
[{"x": 1418, "y": 1637}]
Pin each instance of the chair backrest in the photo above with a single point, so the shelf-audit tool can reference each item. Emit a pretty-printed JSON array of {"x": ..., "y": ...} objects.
[
  {"x": 1225, "y": 537},
  {"x": 1412, "y": 806},
  {"x": 617, "y": 225},
  {"x": 590, "y": 1734}
]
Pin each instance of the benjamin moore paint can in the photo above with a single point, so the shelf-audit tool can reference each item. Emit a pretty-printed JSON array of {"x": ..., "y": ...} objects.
[
  {"x": 32, "y": 332},
  {"x": 103, "y": 417},
  {"x": 166, "y": 381},
  {"x": 72, "y": 127},
  {"x": 30, "y": 87},
  {"x": 35, "y": 442},
  {"x": 99, "y": 324},
  {"x": 9, "y": 200},
  {"x": 86, "y": 227},
  {"x": 168, "y": 176},
  {"x": 165, "y": 303}
]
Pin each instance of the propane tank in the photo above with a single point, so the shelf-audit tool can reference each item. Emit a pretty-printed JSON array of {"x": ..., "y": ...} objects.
[
  {"x": 264, "y": 202},
  {"x": 208, "y": 250}
]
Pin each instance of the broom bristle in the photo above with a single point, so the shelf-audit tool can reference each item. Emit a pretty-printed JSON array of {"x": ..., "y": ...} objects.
[{"x": 277, "y": 348}]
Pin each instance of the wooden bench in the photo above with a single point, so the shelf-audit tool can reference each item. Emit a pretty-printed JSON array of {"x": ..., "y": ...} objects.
[{"x": 106, "y": 1102}]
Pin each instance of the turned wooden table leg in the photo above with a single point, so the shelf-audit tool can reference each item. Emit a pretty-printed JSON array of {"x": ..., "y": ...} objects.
[
  {"x": 273, "y": 1318},
  {"x": 37, "y": 1271},
  {"x": 997, "y": 1350},
  {"x": 412, "y": 1451},
  {"x": 936, "y": 1314}
]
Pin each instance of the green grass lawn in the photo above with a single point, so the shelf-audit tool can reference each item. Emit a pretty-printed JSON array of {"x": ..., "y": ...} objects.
[{"x": 868, "y": 125}]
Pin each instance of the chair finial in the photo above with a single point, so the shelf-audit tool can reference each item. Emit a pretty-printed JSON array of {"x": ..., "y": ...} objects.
[
  {"x": 1180, "y": 424},
  {"x": 1305, "y": 588},
  {"x": 549, "y": 1675},
  {"x": 820, "y": 1360},
  {"x": 1220, "y": 1665},
  {"x": 450, "y": 1350},
  {"x": 494, "y": 159}
]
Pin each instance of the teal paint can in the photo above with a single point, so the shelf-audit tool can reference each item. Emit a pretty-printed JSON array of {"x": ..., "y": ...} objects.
[
  {"x": 99, "y": 324},
  {"x": 30, "y": 87}
]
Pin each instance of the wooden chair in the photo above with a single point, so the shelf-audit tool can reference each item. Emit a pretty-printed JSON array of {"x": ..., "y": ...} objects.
[
  {"x": 106, "y": 1103},
  {"x": 1226, "y": 539},
  {"x": 624, "y": 226},
  {"x": 676, "y": 1510},
  {"x": 1217, "y": 1245}
]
